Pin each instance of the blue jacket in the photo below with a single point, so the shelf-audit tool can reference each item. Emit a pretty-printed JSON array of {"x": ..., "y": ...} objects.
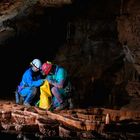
[{"x": 29, "y": 79}]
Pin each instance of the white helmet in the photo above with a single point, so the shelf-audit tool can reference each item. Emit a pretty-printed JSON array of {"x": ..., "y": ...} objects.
[{"x": 37, "y": 63}]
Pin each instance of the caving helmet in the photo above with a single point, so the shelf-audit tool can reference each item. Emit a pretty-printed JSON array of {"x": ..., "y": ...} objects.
[
  {"x": 36, "y": 63},
  {"x": 46, "y": 67}
]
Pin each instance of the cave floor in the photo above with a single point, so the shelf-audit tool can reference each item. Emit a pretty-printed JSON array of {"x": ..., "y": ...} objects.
[{"x": 74, "y": 123}]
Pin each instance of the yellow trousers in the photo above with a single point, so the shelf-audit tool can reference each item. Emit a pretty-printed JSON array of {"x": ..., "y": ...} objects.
[{"x": 45, "y": 96}]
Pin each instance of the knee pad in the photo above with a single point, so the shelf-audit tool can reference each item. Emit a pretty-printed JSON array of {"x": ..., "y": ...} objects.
[{"x": 54, "y": 90}]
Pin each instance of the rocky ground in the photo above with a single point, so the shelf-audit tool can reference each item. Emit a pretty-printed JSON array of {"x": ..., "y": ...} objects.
[{"x": 91, "y": 123}]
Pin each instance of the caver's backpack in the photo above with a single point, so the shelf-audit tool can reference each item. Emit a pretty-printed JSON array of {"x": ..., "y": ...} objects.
[{"x": 45, "y": 101}]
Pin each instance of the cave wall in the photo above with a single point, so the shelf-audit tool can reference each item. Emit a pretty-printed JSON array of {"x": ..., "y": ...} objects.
[
  {"x": 92, "y": 50},
  {"x": 128, "y": 23}
]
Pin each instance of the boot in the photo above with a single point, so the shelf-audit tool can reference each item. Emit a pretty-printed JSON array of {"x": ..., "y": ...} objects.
[
  {"x": 62, "y": 105},
  {"x": 17, "y": 97},
  {"x": 71, "y": 105},
  {"x": 21, "y": 100}
]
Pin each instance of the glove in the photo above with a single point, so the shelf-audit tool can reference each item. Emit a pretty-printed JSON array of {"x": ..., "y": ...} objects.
[
  {"x": 44, "y": 80},
  {"x": 49, "y": 80}
]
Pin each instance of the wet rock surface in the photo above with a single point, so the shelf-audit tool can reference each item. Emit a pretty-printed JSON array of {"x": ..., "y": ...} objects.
[{"x": 90, "y": 123}]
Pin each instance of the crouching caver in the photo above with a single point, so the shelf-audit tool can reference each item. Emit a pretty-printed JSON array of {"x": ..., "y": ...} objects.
[
  {"x": 31, "y": 80},
  {"x": 60, "y": 85}
]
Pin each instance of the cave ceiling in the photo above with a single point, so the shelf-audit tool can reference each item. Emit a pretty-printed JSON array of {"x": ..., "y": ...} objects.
[{"x": 10, "y": 9}]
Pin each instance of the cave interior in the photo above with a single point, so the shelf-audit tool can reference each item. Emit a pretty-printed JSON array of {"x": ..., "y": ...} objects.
[{"x": 88, "y": 38}]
